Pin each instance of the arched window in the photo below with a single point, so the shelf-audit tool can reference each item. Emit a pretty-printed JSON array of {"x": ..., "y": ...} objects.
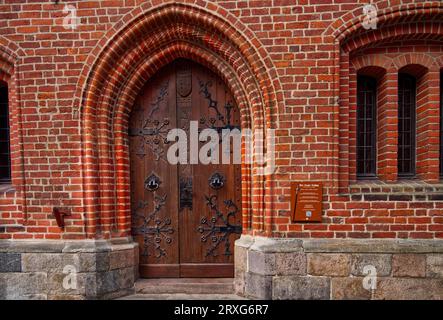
[
  {"x": 5, "y": 153},
  {"x": 366, "y": 126},
  {"x": 407, "y": 90},
  {"x": 441, "y": 123}
]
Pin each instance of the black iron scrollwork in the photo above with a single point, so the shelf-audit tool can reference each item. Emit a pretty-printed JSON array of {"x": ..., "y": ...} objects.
[
  {"x": 156, "y": 104},
  {"x": 154, "y": 230},
  {"x": 213, "y": 104},
  {"x": 153, "y": 132},
  {"x": 216, "y": 181},
  {"x": 219, "y": 228},
  {"x": 185, "y": 193}
]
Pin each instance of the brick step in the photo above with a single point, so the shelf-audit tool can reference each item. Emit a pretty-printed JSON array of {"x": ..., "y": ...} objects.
[{"x": 185, "y": 285}]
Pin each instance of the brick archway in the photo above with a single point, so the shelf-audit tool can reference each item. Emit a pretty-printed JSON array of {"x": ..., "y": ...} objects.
[
  {"x": 133, "y": 55},
  {"x": 368, "y": 61}
]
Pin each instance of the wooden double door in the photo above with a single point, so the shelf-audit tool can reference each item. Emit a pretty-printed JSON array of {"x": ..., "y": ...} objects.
[{"x": 185, "y": 216}]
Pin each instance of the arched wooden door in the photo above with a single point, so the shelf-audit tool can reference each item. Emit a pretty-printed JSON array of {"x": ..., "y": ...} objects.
[{"x": 185, "y": 217}]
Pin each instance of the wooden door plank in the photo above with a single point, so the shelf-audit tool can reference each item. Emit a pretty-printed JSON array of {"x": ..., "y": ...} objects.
[
  {"x": 159, "y": 271},
  {"x": 206, "y": 270},
  {"x": 195, "y": 246},
  {"x": 154, "y": 212},
  {"x": 185, "y": 251}
]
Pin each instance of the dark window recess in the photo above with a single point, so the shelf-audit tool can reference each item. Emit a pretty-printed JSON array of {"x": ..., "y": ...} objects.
[
  {"x": 407, "y": 90},
  {"x": 366, "y": 126},
  {"x": 5, "y": 153},
  {"x": 441, "y": 124}
]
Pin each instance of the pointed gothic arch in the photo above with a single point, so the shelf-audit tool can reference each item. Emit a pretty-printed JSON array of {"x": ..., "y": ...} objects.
[{"x": 125, "y": 61}]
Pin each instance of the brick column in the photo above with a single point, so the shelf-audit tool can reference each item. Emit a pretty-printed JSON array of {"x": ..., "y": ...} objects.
[
  {"x": 343, "y": 168},
  {"x": 428, "y": 126},
  {"x": 387, "y": 124}
]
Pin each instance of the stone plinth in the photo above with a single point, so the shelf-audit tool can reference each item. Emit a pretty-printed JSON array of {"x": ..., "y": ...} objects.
[
  {"x": 338, "y": 269},
  {"x": 67, "y": 269}
]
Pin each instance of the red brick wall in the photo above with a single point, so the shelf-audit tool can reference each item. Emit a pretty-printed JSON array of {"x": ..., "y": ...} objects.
[{"x": 292, "y": 66}]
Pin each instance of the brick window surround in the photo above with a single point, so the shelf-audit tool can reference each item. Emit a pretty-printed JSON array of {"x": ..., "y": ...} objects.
[
  {"x": 385, "y": 64},
  {"x": 402, "y": 39},
  {"x": 12, "y": 203}
]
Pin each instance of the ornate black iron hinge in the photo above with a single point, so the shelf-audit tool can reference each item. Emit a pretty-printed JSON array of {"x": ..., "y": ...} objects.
[
  {"x": 154, "y": 229},
  {"x": 219, "y": 227},
  {"x": 213, "y": 104}
]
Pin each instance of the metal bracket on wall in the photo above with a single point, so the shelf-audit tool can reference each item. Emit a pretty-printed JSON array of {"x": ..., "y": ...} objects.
[{"x": 60, "y": 215}]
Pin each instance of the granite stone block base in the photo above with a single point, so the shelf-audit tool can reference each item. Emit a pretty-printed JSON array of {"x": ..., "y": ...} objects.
[
  {"x": 67, "y": 269},
  {"x": 327, "y": 269}
]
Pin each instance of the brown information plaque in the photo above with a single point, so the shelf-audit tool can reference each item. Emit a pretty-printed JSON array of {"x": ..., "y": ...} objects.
[{"x": 306, "y": 201}]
